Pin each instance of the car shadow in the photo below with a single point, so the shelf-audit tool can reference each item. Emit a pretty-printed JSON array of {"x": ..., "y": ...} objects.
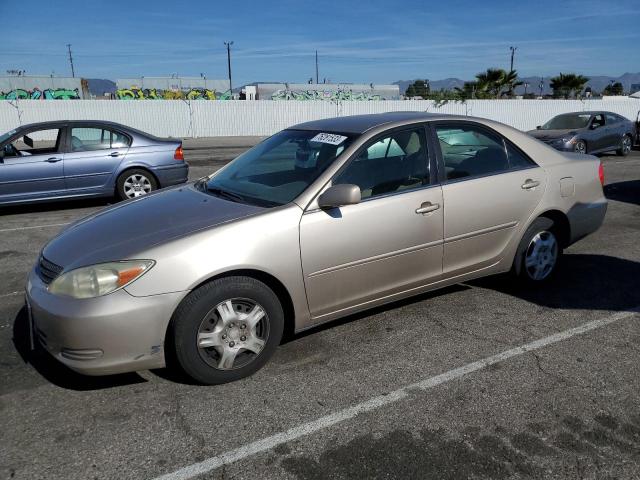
[
  {"x": 54, "y": 371},
  {"x": 628, "y": 191},
  {"x": 581, "y": 282},
  {"x": 45, "y": 207}
]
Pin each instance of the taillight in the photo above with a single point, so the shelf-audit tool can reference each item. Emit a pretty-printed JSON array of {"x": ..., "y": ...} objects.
[
  {"x": 601, "y": 173},
  {"x": 179, "y": 155}
]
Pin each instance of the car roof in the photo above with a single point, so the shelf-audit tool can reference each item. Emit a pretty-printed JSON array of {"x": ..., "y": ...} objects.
[
  {"x": 590, "y": 112},
  {"x": 358, "y": 124},
  {"x": 71, "y": 123}
]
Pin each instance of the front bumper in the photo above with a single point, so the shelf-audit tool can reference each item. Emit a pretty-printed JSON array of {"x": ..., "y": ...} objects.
[
  {"x": 115, "y": 333},
  {"x": 168, "y": 175}
]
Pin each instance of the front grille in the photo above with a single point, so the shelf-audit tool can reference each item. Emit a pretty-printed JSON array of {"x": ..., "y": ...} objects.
[{"x": 48, "y": 271}]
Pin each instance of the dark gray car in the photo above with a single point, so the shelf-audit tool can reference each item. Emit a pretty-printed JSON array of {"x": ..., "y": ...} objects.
[
  {"x": 80, "y": 159},
  {"x": 588, "y": 132}
]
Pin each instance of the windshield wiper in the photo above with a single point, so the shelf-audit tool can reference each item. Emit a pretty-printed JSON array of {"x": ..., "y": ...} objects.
[{"x": 234, "y": 197}]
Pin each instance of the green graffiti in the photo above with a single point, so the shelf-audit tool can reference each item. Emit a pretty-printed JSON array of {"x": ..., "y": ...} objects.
[
  {"x": 326, "y": 95},
  {"x": 135, "y": 93},
  {"x": 37, "y": 94}
]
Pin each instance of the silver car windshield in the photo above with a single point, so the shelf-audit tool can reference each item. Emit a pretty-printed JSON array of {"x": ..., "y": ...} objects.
[
  {"x": 563, "y": 122},
  {"x": 279, "y": 169}
]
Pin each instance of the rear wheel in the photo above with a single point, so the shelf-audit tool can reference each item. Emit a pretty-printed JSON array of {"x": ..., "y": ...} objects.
[
  {"x": 227, "y": 329},
  {"x": 580, "y": 146},
  {"x": 538, "y": 252},
  {"x": 625, "y": 146},
  {"x": 135, "y": 183}
]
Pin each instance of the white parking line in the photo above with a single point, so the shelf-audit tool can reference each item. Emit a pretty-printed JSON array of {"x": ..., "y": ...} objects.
[
  {"x": 327, "y": 421},
  {"x": 10, "y": 294},
  {"x": 35, "y": 226}
]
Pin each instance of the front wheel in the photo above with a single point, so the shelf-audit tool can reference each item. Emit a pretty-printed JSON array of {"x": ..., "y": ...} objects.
[
  {"x": 227, "y": 329},
  {"x": 625, "y": 146},
  {"x": 538, "y": 252},
  {"x": 580, "y": 146}
]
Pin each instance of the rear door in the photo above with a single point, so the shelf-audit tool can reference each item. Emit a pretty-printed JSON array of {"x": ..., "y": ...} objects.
[
  {"x": 489, "y": 188},
  {"x": 93, "y": 156},
  {"x": 32, "y": 166}
]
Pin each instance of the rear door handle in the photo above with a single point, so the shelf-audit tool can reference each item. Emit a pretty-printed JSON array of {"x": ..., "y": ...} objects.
[
  {"x": 114, "y": 154},
  {"x": 529, "y": 184},
  {"x": 53, "y": 159},
  {"x": 427, "y": 207}
]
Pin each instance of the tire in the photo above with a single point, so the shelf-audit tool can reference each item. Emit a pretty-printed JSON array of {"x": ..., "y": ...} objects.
[
  {"x": 580, "y": 146},
  {"x": 626, "y": 143},
  {"x": 207, "y": 332},
  {"x": 535, "y": 268},
  {"x": 134, "y": 183}
]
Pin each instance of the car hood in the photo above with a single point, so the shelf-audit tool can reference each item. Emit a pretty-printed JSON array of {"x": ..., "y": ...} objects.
[
  {"x": 124, "y": 230},
  {"x": 552, "y": 134}
]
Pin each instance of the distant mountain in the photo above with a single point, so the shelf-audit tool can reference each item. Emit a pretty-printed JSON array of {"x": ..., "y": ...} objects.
[{"x": 596, "y": 82}]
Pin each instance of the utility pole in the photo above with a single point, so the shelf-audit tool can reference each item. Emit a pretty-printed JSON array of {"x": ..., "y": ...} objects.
[
  {"x": 228, "y": 44},
  {"x": 316, "y": 66},
  {"x": 73, "y": 73},
  {"x": 513, "y": 52}
]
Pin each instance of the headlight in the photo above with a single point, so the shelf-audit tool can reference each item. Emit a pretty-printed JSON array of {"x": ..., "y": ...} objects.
[{"x": 101, "y": 279}]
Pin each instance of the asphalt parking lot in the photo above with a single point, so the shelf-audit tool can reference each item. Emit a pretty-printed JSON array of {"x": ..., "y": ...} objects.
[{"x": 418, "y": 389}]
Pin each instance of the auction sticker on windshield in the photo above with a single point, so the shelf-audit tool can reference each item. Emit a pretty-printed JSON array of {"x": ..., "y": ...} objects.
[{"x": 330, "y": 138}]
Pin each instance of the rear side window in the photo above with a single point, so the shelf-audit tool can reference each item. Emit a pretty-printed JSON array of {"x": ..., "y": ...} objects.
[
  {"x": 470, "y": 151},
  {"x": 517, "y": 159},
  {"x": 612, "y": 118},
  {"x": 89, "y": 138}
]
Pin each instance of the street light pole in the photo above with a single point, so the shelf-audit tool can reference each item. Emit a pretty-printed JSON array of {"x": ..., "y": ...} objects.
[
  {"x": 73, "y": 74},
  {"x": 316, "y": 66},
  {"x": 228, "y": 45},
  {"x": 513, "y": 52}
]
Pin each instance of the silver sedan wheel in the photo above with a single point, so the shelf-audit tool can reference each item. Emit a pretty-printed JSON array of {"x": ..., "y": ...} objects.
[
  {"x": 233, "y": 334},
  {"x": 626, "y": 145},
  {"x": 136, "y": 185},
  {"x": 541, "y": 255},
  {"x": 580, "y": 147}
]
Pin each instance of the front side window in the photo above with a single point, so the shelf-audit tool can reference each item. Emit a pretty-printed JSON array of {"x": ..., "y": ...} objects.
[
  {"x": 390, "y": 164},
  {"x": 85, "y": 139},
  {"x": 279, "y": 169},
  {"x": 39, "y": 142},
  {"x": 469, "y": 151},
  {"x": 598, "y": 120}
]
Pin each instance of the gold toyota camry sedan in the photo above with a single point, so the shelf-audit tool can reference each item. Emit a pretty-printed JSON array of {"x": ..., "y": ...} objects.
[{"x": 319, "y": 221}]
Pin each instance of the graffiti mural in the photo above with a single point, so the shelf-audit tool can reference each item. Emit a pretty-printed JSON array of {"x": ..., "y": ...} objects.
[
  {"x": 135, "y": 93},
  {"x": 37, "y": 94},
  {"x": 330, "y": 96}
]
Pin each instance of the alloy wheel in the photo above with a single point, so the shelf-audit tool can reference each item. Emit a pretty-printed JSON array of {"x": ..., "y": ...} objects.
[
  {"x": 136, "y": 185},
  {"x": 626, "y": 145},
  {"x": 580, "y": 147},
  {"x": 233, "y": 334},
  {"x": 541, "y": 255}
]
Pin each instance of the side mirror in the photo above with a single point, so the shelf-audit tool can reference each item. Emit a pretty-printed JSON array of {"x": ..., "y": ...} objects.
[
  {"x": 594, "y": 126},
  {"x": 538, "y": 127},
  {"x": 339, "y": 196}
]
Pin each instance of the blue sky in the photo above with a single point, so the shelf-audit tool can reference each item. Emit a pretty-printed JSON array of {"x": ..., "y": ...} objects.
[{"x": 369, "y": 41}]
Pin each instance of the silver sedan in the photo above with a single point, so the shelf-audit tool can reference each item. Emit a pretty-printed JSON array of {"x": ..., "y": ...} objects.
[{"x": 317, "y": 222}]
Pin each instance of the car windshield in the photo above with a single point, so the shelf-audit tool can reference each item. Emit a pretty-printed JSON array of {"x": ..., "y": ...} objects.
[
  {"x": 572, "y": 120},
  {"x": 279, "y": 169},
  {"x": 5, "y": 136}
]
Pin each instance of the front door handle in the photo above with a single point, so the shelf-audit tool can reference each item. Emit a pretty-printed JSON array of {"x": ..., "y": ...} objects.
[
  {"x": 53, "y": 159},
  {"x": 427, "y": 207},
  {"x": 529, "y": 184},
  {"x": 114, "y": 154}
]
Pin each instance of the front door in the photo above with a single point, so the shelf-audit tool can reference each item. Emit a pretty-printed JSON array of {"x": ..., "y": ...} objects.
[
  {"x": 32, "y": 166},
  {"x": 93, "y": 157},
  {"x": 490, "y": 188},
  {"x": 388, "y": 243}
]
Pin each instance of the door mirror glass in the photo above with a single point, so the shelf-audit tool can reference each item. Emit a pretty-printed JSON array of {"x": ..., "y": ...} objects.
[
  {"x": 538, "y": 127},
  {"x": 594, "y": 126},
  {"x": 339, "y": 196}
]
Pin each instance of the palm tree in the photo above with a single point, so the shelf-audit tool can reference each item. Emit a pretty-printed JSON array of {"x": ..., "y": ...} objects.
[
  {"x": 568, "y": 85},
  {"x": 491, "y": 81},
  {"x": 510, "y": 80}
]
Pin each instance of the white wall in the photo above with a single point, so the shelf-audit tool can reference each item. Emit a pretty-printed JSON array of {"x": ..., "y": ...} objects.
[{"x": 202, "y": 118}]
